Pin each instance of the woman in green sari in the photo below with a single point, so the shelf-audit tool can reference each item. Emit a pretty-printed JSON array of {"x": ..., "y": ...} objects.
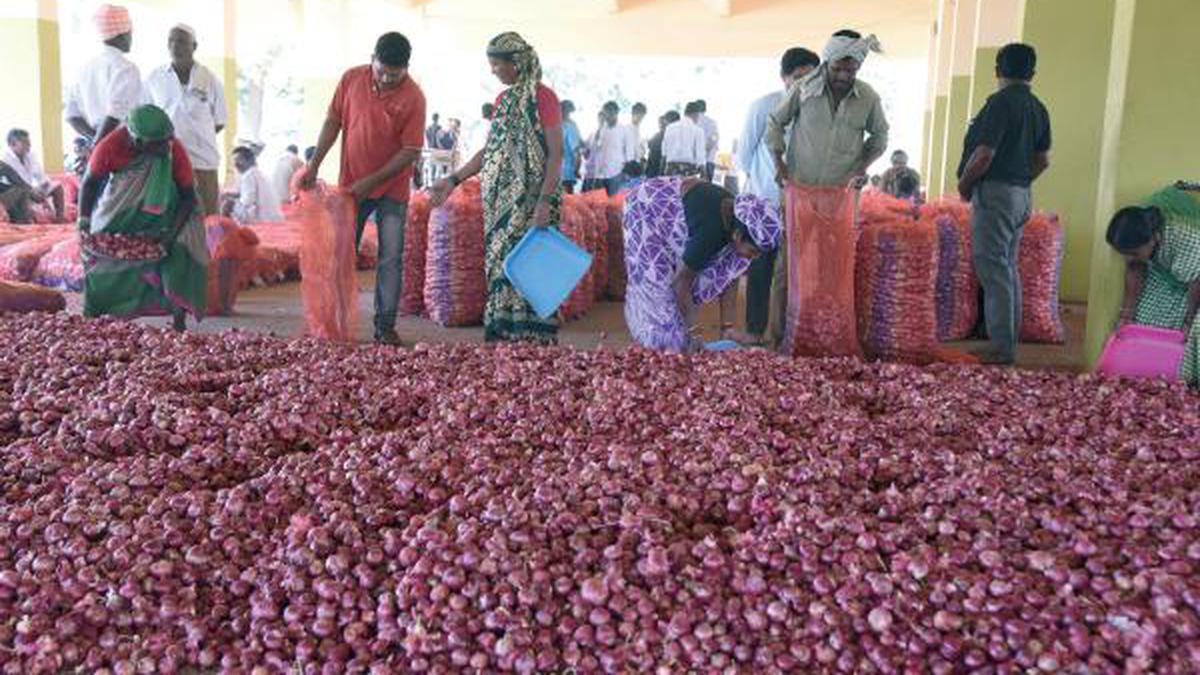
[
  {"x": 144, "y": 250},
  {"x": 519, "y": 176},
  {"x": 1161, "y": 245}
]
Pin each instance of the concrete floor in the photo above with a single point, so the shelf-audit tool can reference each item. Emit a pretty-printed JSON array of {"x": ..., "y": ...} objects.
[{"x": 277, "y": 310}]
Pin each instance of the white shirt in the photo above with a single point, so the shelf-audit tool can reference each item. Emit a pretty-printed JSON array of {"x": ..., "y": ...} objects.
[
  {"x": 631, "y": 143},
  {"x": 29, "y": 170},
  {"x": 110, "y": 85},
  {"x": 256, "y": 201},
  {"x": 281, "y": 180},
  {"x": 709, "y": 125},
  {"x": 683, "y": 141},
  {"x": 196, "y": 110},
  {"x": 611, "y": 148}
]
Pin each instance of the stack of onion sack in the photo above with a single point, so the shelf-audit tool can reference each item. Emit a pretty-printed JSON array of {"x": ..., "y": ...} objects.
[
  {"x": 895, "y": 271},
  {"x": 416, "y": 237},
  {"x": 880, "y": 207},
  {"x": 20, "y": 298},
  {"x": 62, "y": 267},
  {"x": 455, "y": 282},
  {"x": 595, "y": 223},
  {"x": 277, "y": 258},
  {"x": 230, "y": 247},
  {"x": 608, "y": 214},
  {"x": 328, "y": 285},
  {"x": 1040, "y": 266},
  {"x": 957, "y": 285},
  {"x": 575, "y": 225},
  {"x": 19, "y": 261},
  {"x": 954, "y": 207}
]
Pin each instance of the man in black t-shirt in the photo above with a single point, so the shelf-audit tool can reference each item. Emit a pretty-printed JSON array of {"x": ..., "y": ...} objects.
[{"x": 1006, "y": 148}]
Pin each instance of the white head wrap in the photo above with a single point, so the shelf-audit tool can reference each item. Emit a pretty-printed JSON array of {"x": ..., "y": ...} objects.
[{"x": 838, "y": 48}]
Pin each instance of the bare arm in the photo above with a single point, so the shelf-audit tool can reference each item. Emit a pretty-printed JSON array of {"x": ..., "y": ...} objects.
[
  {"x": 328, "y": 136},
  {"x": 1135, "y": 280},
  {"x": 977, "y": 167},
  {"x": 1193, "y": 303},
  {"x": 554, "y": 160},
  {"x": 1041, "y": 162},
  {"x": 682, "y": 287},
  {"x": 81, "y": 126},
  {"x": 728, "y": 309},
  {"x": 89, "y": 193},
  {"x": 784, "y": 114},
  {"x": 403, "y": 159},
  {"x": 183, "y": 211},
  {"x": 106, "y": 127}
]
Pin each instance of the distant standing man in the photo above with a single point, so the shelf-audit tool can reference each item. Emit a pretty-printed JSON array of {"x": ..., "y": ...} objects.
[
  {"x": 1006, "y": 148},
  {"x": 195, "y": 99},
  {"x": 382, "y": 114},
  {"x": 572, "y": 148},
  {"x": 838, "y": 129},
  {"x": 711, "y": 140},
  {"x": 756, "y": 161},
  {"x": 109, "y": 86}
]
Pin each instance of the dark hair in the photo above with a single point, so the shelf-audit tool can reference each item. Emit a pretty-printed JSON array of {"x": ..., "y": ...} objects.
[
  {"x": 310, "y": 152},
  {"x": 1016, "y": 61},
  {"x": 487, "y": 110},
  {"x": 611, "y": 106},
  {"x": 797, "y": 57},
  {"x": 567, "y": 106},
  {"x": 847, "y": 33},
  {"x": 632, "y": 169},
  {"x": 906, "y": 185},
  {"x": 17, "y": 135},
  {"x": 1133, "y": 227},
  {"x": 671, "y": 116},
  {"x": 701, "y": 106},
  {"x": 639, "y": 108},
  {"x": 293, "y": 149},
  {"x": 899, "y": 151},
  {"x": 692, "y": 108},
  {"x": 243, "y": 150},
  {"x": 393, "y": 50}
]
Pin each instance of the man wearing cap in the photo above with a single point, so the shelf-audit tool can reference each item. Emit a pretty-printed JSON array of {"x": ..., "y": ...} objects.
[
  {"x": 837, "y": 129},
  {"x": 380, "y": 113},
  {"x": 194, "y": 98},
  {"x": 109, "y": 86}
]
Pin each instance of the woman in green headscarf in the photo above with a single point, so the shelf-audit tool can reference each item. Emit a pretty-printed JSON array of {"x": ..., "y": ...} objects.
[
  {"x": 520, "y": 168},
  {"x": 144, "y": 250}
]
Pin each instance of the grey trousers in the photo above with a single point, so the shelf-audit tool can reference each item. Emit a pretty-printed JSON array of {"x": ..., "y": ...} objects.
[
  {"x": 389, "y": 274},
  {"x": 999, "y": 212}
]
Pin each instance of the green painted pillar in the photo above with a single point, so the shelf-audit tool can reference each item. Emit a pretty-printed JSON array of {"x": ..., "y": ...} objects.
[
  {"x": 29, "y": 43},
  {"x": 1072, "y": 80},
  {"x": 958, "y": 106},
  {"x": 941, "y": 94},
  {"x": 997, "y": 23},
  {"x": 1149, "y": 139}
]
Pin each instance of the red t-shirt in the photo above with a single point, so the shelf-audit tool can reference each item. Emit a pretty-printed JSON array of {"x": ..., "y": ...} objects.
[
  {"x": 549, "y": 110},
  {"x": 375, "y": 126},
  {"x": 115, "y": 152}
]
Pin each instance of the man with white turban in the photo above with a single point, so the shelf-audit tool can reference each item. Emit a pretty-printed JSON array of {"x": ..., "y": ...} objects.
[
  {"x": 109, "y": 86},
  {"x": 837, "y": 129},
  {"x": 195, "y": 99}
]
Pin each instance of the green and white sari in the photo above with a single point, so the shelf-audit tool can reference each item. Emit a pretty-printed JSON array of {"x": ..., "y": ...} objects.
[
  {"x": 514, "y": 166},
  {"x": 1173, "y": 268},
  {"x": 140, "y": 200}
]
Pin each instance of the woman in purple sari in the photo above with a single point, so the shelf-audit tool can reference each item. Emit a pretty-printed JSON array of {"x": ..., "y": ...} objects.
[{"x": 686, "y": 243}]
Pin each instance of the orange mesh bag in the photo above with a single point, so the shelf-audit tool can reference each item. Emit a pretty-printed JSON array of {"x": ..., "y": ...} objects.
[
  {"x": 277, "y": 257},
  {"x": 574, "y": 225},
  {"x": 416, "y": 235},
  {"x": 953, "y": 207},
  {"x": 614, "y": 213},
  {"x": 62, "y": 267},
  {"x": 22, "y": 298},
  {"x": 19, "y": 261},
  {"x": 230, "y": 247},
  {"x": 880, "y": 207},
  {"x": 820, "y": 318},
  {"x": 1039, "y": 262},
  {"x": 327, "y": 282},
  {"x": 895, "y": 273}
]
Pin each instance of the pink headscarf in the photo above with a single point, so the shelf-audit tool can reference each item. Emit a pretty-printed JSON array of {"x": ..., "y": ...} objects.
[{"x": 112, "y": 20}]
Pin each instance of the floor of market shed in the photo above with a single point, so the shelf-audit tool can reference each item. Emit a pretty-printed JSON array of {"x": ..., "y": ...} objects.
[{"x": 278, "y": 310}]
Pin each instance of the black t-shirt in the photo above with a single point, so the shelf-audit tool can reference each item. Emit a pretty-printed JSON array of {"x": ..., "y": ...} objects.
[
  {"x": 707, "y": 233},
  {"x": 1016, "y": 125}
]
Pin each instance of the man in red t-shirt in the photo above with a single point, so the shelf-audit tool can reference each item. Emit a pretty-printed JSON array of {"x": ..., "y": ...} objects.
[{"x": 381, "y": 113}]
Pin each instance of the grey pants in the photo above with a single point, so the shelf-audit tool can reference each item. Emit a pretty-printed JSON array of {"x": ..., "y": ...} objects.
[
  {"x": 389, "y": 276},
  {"x": 999, "y": 212}
]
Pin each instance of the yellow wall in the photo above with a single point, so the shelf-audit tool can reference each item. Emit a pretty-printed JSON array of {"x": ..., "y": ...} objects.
[
  {"x": 957, "y": 114},
  {"x": 33, "y": 82}
]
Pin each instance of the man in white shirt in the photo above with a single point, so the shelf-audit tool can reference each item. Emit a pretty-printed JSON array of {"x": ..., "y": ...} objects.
[
  {"x": 611, "y": 145},
  {"x": 109, "y": 86},
  {"x": 683, "y": 144},
  {"x": 478, "y": 135},
  {"x": 634, "y": 148},
  {"x": 195, "y": 99},
  {"x": 285, "y": 169},
  {"x": 19, "y": 158},
  {"x": 255, "y": 201},
  {"x": 711, "y": 138}
]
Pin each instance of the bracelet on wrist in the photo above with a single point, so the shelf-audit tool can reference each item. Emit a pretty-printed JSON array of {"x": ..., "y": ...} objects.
[{"x": 455, "y": 181}]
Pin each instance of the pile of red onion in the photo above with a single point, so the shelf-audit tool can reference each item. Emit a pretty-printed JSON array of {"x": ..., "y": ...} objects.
[
  {"x": 242, "y": 504},
  {"x": 124, "y": 246}
]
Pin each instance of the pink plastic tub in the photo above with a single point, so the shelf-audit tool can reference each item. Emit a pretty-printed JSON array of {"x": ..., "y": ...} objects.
[{"x": 1143, "y": 351}]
